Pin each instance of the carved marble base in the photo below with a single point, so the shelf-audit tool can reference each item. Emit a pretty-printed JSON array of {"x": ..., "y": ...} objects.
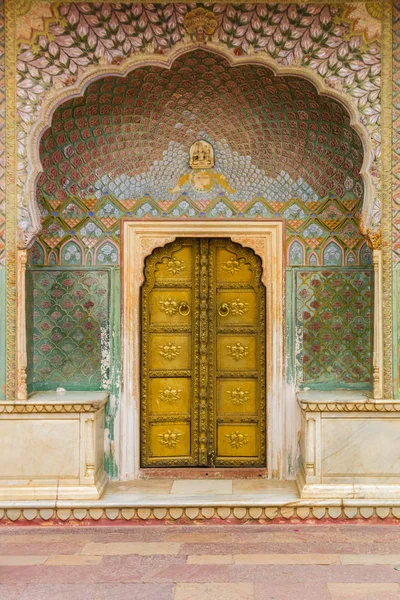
[
  {"x": 349, "y": 446},
  {"x": 53, "y": 447}
]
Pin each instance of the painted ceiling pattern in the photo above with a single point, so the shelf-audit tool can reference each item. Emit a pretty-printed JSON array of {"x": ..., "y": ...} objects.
[
  {"x": 396, "y": 133},
  {"x": 340, "y": 44},
  {"x": 122, "y": 150}
]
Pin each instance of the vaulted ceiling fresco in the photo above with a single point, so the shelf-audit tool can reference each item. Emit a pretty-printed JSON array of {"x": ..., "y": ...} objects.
[
  {"x": 281, "y": 151},
  {"x": 58, "y": 42}
]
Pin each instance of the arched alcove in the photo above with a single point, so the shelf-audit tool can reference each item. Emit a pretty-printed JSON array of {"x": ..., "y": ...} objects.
[{"x": 283, "y": 150}]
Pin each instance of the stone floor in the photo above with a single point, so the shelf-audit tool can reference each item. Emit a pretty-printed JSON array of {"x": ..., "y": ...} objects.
[{"x": 201, "y": 562}]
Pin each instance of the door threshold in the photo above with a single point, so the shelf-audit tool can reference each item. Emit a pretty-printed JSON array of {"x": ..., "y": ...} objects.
[{"x": 203, "y": 473}]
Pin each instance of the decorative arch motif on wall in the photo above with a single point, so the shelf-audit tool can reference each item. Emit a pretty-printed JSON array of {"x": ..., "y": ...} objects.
[
  {"x": 350, "y": 259},
  {"x": 107, "y": 253},
  {"x": 296, "y": 253},
  {"x": 221, "y": 209},
  {"x": 71, "y": 253},
  {"x": 332, "y": 254}
]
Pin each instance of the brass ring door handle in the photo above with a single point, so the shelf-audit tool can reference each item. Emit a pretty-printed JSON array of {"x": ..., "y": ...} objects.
[
  {"x": 223, "y": 310},
  {"x": 184, "y": 309}
]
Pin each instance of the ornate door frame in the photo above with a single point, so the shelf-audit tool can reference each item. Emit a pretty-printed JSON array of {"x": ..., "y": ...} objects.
[{"x": 139, "y": 239}]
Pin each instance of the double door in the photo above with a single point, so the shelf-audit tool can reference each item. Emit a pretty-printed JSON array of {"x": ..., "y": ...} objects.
[{"x": 203, "y": 388}]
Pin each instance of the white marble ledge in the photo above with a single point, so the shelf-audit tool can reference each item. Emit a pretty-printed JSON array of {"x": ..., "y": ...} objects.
[
  {"x": 344, "y": 401},
  {"x": 164, "y": 502},
  {"x": 53, "y": 402}
]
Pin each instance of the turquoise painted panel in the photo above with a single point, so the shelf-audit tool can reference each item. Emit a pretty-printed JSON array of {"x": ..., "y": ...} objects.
[
  {"x": 30, "y": 338},
  {"x": 334, "y": 325},
  {"x": 68, "y": 328},
  {"x": 2, "y": 333}
]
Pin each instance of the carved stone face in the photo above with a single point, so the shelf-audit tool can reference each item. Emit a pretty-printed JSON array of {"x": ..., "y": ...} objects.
[{"x": 201, "y": 155}]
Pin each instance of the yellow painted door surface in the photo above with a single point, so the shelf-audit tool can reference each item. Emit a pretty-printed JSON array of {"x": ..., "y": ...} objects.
[
  {"x": 169, "y": 329},
  {"x": 203, "y": 356},
  {"x": 237, "y": 369}
]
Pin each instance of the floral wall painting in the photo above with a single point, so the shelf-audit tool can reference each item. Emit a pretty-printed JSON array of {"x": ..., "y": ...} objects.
[
  {"x": 334, "y": 328},
  {"x": 338, "y": 48},
  {"x": 332, "y": 254},
  {"x": 68, "y": 314},
  {"x": 296, "y": 254},
  {"x": 71, "y": 254}
]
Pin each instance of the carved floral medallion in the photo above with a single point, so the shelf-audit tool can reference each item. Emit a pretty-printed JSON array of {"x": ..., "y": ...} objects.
[
  {"x": 170, "y": 395},
  {"x": 232, "y": 265},
  {"x": 174, "y": 265},
  {"x": 238, "y": 307},
  {"x": 170, "y": 351},
  {"x": 238, "y": 396},
  {"x": 169, "y": 306},
  {"x": 170, "y": 438},
  {"x": 237, "y": 439},
  {"x": 238, "y": 351}
]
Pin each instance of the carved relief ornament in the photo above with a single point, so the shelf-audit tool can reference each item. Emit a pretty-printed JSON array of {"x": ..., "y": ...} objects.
[
  {"x": 373, "y": 237},
  {"x": 200, "y": 24},
  {"x": 201, "y": 155}
]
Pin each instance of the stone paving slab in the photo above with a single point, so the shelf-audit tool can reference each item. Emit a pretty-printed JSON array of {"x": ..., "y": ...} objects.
[{"x": 198, "y": 562}]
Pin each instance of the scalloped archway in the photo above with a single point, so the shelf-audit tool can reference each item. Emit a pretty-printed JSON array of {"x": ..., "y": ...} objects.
[{"x": 284, "y": 119}]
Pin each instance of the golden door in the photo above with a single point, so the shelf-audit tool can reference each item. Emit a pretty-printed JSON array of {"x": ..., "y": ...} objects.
[{"x": 203, "y": 398}]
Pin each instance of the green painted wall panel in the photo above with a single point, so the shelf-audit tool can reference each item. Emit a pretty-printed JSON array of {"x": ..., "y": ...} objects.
[
  {"x": 2, "y": 333},
  {"x": 334, "y": 325},
  {"x": 68, "y": 328},
  {"x": 396, "y": 332}
]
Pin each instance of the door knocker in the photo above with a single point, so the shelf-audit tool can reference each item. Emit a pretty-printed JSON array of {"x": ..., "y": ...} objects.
[
  {"x": 223, "y": 310},
  {"x": 184, "y": 309}
]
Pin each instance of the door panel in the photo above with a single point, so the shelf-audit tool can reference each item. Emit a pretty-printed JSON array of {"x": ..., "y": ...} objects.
[
  {"x": 176, "y": 266},
  {"x": 170, "y": 307},
  {"x": 169, "y": 415},
  {"x": 236, "y": 307},
  {"x": 237, "y": 441},
  {"x": 237, "y": 328},
  {"x": 170, "y": 352},
  {"x": 236, "y": 352},
  {"x": 230, "y": 267},
  {"x": 169, "y": 395},
  {"x": 237, "y": 397},
  {"x": 169, "y": 439},
  {"x": 203, "y": 356}
]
